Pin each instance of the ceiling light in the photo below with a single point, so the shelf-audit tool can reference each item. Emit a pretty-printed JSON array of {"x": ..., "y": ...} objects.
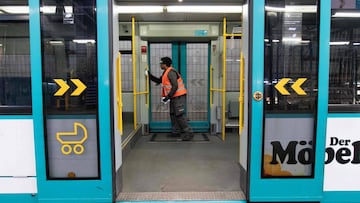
[
  {"x": 139, "y": 9},
  {"x": 297, "y": 9},
  {"x": 56, "y": 42},
  {"x": 204, "y": 9},
  {"x": 84, "y": 41},
  {"x": 291, "y": 39},
  {"x": 339, "y": 43},
  {"x": 1, "y": 45},
  {"x": 15, "y": 9},
  {"x": 52, "y": 9},
  {"x": 346, "y": 15},
  {"x": 356, "y": 43},
  {"x": 275, "y": 9}
]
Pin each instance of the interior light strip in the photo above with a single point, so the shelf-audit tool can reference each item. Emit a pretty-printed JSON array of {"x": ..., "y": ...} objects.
[
  {"x": 346, "y": 15},
  {"x": 204, "y": 9}
]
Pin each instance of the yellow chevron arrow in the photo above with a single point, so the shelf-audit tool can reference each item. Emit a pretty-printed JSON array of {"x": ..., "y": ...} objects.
[
  {"x": 63, "y": 87},
  {"x": 297, "y": 86},
  {"x": 80, "y": 87},
  {"x": 280, "y": 86}
]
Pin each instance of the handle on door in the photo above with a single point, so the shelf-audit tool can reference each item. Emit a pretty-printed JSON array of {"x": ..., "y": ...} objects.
[{"x": 258, "y": 96}]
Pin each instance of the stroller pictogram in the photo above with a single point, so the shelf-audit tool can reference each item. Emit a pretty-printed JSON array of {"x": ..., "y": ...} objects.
[{"x": 68, "y": 146}]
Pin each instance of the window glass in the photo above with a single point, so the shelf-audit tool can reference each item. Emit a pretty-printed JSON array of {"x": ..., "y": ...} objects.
[
  {"x": 344, "y": 78},
  {"x": 126, "y": 65},
  {"x": 233, "y": 64},
  {"x": 290, "y": 87},
  {"x": 15, "y": 74},
  {"x": 70, "y": 88}
]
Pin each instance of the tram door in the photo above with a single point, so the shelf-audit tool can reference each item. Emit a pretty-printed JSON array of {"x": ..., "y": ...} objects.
[
  {"x": 70, "y": 74},
  {"x": 289, "y": 105},
  {"x": 191, "y": 60}
]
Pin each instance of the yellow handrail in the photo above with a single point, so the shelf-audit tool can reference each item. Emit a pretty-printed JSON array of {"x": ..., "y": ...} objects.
[
  {"x": 140, "y": 93},
  {"x": 147, "y": 89},
  {"x": 232, "y": 35},
  {"x": 211, "y": 85},
  {"x": 134, "y": 68},
  {"x": 119, "y": 94},
  {"x": 241, "y": 97},
  {"x": 224, "y": 82},
  {"x": 217, "y": 90}
]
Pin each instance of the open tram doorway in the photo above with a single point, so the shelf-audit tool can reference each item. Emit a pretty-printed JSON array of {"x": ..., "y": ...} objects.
[{"x": 211, "y": 167}]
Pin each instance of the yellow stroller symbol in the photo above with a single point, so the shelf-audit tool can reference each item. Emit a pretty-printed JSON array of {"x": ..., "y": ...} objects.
[{"x": 78, "y": 147}]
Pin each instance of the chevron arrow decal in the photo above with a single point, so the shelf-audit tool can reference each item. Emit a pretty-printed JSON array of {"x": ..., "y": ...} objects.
[
  {"x": 297, "y": 86},
  {"x": 280, "y": 86},
  {"x": 64, "y": 87},
  {"x": 80, "y": 87}
]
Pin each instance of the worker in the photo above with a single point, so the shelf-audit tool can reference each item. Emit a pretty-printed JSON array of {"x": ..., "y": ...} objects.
[{"x": 173, "y": 91}]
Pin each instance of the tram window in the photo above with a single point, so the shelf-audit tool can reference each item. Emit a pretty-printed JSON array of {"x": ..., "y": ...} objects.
[
  {"x": 344, "y": 78},
  {"x": 126, "y": 65},
  {"x": 15, "y": 74},
  {"x": 70, "y": 88},
  {"x": 233, "y": 64},
  {"x": 290, "y": 87}
]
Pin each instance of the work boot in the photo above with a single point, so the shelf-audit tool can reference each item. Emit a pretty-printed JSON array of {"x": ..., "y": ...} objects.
[
  {"x": 173, "y": 135},
  {"x": 188, "y": 137}
]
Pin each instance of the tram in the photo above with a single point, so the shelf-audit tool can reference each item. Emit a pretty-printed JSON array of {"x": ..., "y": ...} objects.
[{"x": 272, "y": 101}]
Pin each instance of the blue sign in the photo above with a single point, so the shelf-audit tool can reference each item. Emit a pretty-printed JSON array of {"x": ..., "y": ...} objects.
[{"x": 201, "y": 32}]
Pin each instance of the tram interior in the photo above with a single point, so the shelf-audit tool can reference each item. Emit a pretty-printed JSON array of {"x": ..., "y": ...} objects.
[{"x": 152, "y": 165}]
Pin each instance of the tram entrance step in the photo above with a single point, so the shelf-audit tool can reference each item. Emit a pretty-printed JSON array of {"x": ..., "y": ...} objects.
[
  {"x": 182, "y": 196},
  {"x": 164, "y": 137}
]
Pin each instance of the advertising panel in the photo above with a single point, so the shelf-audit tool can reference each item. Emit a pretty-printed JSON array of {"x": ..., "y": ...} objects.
[
  {"x": 342, "y": 158},
  {"x": 288, "y": 147}
]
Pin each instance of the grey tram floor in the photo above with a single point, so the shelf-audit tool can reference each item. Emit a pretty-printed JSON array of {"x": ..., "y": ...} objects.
[{"x": 183, "y": 168}]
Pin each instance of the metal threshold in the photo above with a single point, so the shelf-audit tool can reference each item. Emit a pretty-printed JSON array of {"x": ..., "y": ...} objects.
[{"x": 181, "y": 196}]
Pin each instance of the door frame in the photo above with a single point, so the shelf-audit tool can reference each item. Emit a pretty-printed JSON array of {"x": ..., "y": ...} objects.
[
  {"x": 180, "y": 62},
  {"x": 99, "y": 190},
  {"x": 287, "y": 189}
]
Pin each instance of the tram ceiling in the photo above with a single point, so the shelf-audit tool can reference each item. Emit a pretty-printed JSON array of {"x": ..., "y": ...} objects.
[
  {"x": 175, "y": 2},
  {"x": 180, "y": 16}
]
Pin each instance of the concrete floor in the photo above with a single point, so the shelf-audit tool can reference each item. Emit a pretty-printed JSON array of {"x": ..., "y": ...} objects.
[{"x": 183, "y": 166}]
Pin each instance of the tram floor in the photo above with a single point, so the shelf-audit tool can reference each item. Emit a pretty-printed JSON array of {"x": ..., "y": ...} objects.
[{"x": 183, "y": 166}]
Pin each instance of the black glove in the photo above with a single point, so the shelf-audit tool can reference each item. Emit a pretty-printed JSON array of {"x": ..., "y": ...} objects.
[{"x": 165, "y": 100}]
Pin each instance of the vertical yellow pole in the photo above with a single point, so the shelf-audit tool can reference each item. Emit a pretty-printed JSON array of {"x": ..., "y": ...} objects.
[
  {"x": 134, "y": 69},
  {"x": 119, "y": 93},
  {"x": 241, "y": 97},
  {"x": 147, "y": 88},
  {"x": 211, "y": 85},
  {"x": 224, "y": 83}
]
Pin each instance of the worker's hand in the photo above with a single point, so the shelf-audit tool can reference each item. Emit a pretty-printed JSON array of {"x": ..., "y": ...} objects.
[
  {"x": 146, "y": 73},
  {"x": 165, "y": 100}
]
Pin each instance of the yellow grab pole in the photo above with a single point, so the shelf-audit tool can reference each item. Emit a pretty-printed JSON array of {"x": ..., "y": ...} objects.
[
  {"x": 224, "y": 83},
  {"x": 232, "y": 35},
  {"x": 217, "y": 90},
  {"x": 147, "y": 88},
  {"x": 119, "y": 93},
  {"x": 134, "y": 69},
  {"x": 241, "y": 97},
  {"x": 211, "y": 85}
]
